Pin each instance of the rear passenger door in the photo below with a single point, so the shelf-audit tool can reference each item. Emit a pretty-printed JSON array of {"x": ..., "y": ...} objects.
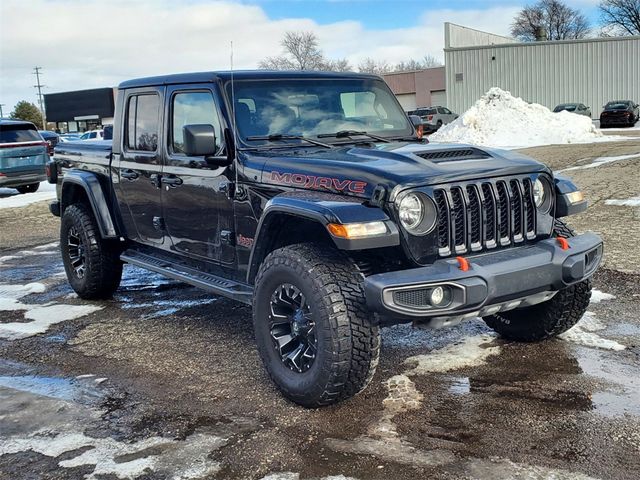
[
  {"x": 195, "y": 195},
  {"x": 140, "y": 164}
]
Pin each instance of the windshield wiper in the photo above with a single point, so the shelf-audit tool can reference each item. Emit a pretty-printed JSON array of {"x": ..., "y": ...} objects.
[
  {"x": 353, "y": 133},
  {"x": 275, "y": 137}
]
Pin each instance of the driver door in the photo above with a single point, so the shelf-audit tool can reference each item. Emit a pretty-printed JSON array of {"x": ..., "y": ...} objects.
[{"x": 197, "y": 210}]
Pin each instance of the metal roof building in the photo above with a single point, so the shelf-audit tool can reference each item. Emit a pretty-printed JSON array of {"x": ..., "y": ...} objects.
[{"x": 591, "y": 71}]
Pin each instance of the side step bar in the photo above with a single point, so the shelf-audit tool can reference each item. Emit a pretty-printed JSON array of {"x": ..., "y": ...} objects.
[{"x": 206, "y": 281}]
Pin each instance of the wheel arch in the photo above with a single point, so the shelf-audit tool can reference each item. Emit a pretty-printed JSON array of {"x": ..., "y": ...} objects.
[
  {"x": 299, "y": 218},
  {"x": 85, "y": 187}
]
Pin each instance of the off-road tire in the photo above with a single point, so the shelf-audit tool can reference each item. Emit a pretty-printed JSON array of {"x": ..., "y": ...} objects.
[
  {"x": 547, "y": 319},
  {"x": 31, "y": 188},
  {"x": 103, "y": 268},
  {"x": 348, "y": 336}
]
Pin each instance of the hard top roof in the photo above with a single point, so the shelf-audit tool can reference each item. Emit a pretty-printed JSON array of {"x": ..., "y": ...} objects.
[
  {"x": 204, "y": 77},
  {"x": 9, "y": 121}
]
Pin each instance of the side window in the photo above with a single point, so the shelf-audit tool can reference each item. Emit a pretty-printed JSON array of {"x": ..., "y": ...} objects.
[
  {"x": 441, "y": 111},
  {"x": 193, "y": 108},
  {"x": 142, "y": 123},
  {"x": 93, "y": 135}
]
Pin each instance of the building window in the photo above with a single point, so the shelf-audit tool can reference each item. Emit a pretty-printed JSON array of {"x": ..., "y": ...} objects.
[
  {"x": 142, "y": 123},
  {"x": 459, "y": 77}
]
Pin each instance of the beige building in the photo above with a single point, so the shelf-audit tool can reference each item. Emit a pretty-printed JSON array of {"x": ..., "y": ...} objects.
[
  {"x": 422, "y": 88},
  {"x": 592, "y": 71}
]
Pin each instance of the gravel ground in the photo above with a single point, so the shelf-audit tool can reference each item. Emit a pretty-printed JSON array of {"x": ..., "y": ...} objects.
[{"x": 164, "y": 381}]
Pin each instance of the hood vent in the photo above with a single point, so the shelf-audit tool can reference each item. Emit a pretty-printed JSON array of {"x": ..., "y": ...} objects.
[{"x": 453, "y": 154}]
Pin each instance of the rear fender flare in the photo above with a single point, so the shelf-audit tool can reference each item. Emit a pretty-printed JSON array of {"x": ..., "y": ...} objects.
[{"x": 95, "y": 195}]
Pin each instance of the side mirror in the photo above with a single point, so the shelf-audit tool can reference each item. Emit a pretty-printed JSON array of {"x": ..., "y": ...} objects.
[
  {"x": 199, "y": 140},
  {"x": 415, "y": 120}
]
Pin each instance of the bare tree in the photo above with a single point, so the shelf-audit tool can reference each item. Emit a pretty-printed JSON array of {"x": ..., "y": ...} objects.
[
  {"x": 428, "y": 61},
  {"x": 301, "y": 52},
  {"x": 621, "y": 16},
  {"x": 549, "y": 20},
  {"x": 377, "y": 67}
]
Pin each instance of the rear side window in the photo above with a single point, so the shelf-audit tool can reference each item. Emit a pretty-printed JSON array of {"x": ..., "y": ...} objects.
[
  {"x": 142, "y": 123},
  {"x": 19, "y": 134},
  {"x": 193, "y": 108}
]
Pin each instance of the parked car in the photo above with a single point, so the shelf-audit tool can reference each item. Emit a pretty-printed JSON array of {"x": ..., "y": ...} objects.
[
  {"x": 620, "y": 112},
  {"x": 93, "y": 135},
  {"x": 23, "y": 155},
  {"x": 434, "y": 117},
  {"x": 69, "y": 137},
  {"x": 52, "y": 139},
  {"x": 328, "y": 216},
  {"x": 577, "y": 108}
]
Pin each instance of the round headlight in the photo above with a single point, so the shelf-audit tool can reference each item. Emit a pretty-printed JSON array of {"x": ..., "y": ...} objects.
[
  {"x": 418, "y": 213},
  {"x": 411, "y": 211},
  {"x": 539, "y": 193}
]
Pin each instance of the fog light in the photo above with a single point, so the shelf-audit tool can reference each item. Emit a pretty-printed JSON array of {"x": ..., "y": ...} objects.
[{"x": 437, "y": 296}]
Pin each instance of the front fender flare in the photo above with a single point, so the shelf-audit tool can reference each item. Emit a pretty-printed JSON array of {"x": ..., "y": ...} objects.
[
  {"x": 564, "y": 207},
  {"x": 94, "y": 191},
  {"x": 323, "y": 208}
]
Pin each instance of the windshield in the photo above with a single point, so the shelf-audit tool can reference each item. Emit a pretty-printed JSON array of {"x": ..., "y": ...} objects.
[
  {"x": 616, "y": 106},
  {"x": 316, "y": 107}
]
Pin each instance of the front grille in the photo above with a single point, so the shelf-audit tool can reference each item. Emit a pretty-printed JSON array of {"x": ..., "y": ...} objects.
[{"x": 484, "y": 215}]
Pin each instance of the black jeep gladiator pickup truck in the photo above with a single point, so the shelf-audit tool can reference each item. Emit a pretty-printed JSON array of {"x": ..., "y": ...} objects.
[{"x": 310, "y": 197}]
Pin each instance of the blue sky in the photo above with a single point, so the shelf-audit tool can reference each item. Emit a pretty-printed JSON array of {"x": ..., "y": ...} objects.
[{"x": 386, "y": 13}]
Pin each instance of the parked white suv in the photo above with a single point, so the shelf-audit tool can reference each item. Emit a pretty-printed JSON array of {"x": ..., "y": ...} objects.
[
  {"x": 434, "y": 117},
  {"x": 93, "y": 135}
]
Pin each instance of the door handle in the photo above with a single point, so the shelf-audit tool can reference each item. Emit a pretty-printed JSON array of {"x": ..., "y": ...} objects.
[
  {"x": 155, "y": 180},
  {"x": 129, "y": 174},
  {"x": 171, "y": 181}
]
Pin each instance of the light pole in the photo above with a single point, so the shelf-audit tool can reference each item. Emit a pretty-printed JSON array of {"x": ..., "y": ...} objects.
[{"x": 36, "y": 72}]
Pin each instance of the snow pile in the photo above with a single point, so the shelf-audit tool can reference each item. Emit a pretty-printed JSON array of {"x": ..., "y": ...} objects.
[{"x": 499, "y": 119}]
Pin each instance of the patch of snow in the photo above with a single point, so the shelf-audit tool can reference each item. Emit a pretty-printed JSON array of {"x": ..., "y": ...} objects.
[
  {"x": 597, "y": 162},
  {"x": 583, "y": 333},
  {"x": 470, "y": 352},
  {"x": 42, "y": 316},
  {"x": 629, "y": 202},
  {"x": 188, "y": 459},
  {"x": 498, "y": 119},
  {"x": 46, "y": 191},
  {"x": 47, "y": 249},
  {"x": 282, "y": 476},
  {"x": 495, "y": 468},
  {"x": 597, "y": 296}
]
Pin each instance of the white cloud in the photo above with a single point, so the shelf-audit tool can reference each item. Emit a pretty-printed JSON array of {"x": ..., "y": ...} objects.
[{"x": 95, "y": 43}]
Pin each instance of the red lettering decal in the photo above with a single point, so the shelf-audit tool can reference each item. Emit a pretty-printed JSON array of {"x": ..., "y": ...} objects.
[
  {"x": 357, "y": 187},
  {"x": 281, "y": 177},
  {"x": 340, "y": 185},
  {"x": 310, "y": 181},
  {"x": 298, "y": 179},
  {"x": 323, "y": 182}
]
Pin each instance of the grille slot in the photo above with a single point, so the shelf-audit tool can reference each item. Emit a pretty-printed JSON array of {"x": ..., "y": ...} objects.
[{"x": 475, "y": 217}]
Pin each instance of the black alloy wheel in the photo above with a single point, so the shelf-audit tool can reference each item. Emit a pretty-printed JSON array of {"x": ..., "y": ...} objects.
[
  {"x": 76, "y": 252},
  {"x": 292, "y": 328}
]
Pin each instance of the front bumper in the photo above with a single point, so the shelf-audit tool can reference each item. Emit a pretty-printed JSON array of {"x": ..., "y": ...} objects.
[{"x": 496, "y": 281}]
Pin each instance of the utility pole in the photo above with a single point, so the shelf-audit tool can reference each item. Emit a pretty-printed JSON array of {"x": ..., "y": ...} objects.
[
  {"x": 36, "y": 72},
  {"x": 1, "y": 105}
]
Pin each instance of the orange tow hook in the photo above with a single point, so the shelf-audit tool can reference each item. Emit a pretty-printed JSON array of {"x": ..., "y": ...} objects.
[
  {"x": 564, "y": 244},
  {"x": 463, "y": 264}
]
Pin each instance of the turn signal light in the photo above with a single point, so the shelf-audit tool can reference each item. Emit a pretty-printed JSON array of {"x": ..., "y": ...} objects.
[
  {"x": 357, "y": 230},
  {"x": 575, "y": 197}
]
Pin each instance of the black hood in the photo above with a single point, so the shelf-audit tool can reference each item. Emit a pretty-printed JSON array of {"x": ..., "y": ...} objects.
[{"x": 395, "y": 166}]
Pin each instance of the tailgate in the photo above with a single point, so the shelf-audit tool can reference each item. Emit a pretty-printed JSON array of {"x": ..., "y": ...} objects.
[{"x": 22, "y": 157}]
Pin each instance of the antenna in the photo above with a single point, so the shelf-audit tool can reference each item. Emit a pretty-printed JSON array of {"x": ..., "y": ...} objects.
[{"x": 233, "y": 117}]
